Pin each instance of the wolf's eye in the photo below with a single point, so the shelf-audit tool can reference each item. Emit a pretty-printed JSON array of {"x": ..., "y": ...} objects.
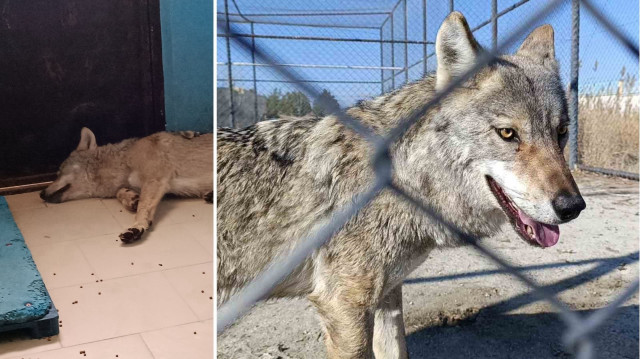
[
  {"x": 507, "y": 134},
  {"x": 562, "y": 130}
]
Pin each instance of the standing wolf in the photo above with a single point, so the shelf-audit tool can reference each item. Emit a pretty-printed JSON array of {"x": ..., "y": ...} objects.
[
  {"x": 489, "y": 152},
  {"x": 139, "y": 172}
]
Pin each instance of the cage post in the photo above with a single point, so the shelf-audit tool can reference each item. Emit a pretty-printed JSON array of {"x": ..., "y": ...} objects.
[
  {"x": 424, "y": 37},
  {"x": 393, "y": 55},
  {"x": 255, "y": 84},
  {"x": 494, "y": 23},
  {"x": 573, "y": 87},
  {"x": 406, "y": 45},
  {"x": 381, "y": 62},
  {"x": 229, "y": 74},
  {"x": 450, "y": 5}
]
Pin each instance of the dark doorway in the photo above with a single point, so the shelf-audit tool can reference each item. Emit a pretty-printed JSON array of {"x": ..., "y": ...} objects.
[{"x": 65, "y": 64}]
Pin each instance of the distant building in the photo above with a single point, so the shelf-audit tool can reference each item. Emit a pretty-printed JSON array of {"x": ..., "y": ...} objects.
[
  {"x": 244, "y": 106},
  {"x": 606, "y": 96}
]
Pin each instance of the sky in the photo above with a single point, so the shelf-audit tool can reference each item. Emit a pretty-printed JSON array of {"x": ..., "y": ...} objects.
[{"x": 602, "y": 57}]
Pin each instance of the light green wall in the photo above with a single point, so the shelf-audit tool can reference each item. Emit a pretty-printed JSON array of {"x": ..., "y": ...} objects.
[{"x": 187, "y": 59}]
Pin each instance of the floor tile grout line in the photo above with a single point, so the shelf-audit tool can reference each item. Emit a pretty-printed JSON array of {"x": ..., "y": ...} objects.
[
  {"x": 88, "y": 261},
  {"x": 201, "y": 321},
  {"x": 138, "y": 334},
  {"x": 13, "y": 213},
  {"x": 93, "y": 237},
  {"x": 179, "y": 323},
  {"x": 181, "y": 296},
  {"x": 185, "y": 299},
  {"x": 175, "y": 326},
  {"x": 146, "y": 345},
  {"x": 188, "y": 265},
  {"x": 205, "y": 250},
  {"x": 129, "y": 276},
  {"x": 110, "y": 212},
  {"x": 34, "y": 353},
  {"x": 74, "y": 239},
  {"x": 84, "y": 255}
]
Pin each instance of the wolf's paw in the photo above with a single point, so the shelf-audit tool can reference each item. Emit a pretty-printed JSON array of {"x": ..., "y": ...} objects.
[
  {"x": 133, "y": 204},
  {"x": 131, "y": 235},
  {"x": 129, "y": 199},
  {"x": 208, "y": 197},
  {"x": 189, "y": 134}
]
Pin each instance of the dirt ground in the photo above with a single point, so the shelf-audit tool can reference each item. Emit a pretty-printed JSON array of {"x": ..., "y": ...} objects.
[{"x": 458, "y": 304}]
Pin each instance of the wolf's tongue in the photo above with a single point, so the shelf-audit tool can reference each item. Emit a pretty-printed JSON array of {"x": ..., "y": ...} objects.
[{"x": 545, "y": 234}]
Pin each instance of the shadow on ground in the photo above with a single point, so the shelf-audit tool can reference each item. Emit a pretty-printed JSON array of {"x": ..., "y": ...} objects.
[
  {"x": 539, "y": 335},
  {"x": 493, "y": 333}
]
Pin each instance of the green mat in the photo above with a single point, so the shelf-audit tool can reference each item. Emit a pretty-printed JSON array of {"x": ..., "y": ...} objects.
[{"x": 24, "y": 300}]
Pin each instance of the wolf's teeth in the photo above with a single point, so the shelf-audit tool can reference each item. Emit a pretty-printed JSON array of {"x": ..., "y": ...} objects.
[{"x": 529, "y": 230}]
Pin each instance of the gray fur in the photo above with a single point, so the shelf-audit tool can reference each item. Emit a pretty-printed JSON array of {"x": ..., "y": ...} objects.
[
  {"x": 139, "y": 172},
  {"x": 278, "y": 179}
]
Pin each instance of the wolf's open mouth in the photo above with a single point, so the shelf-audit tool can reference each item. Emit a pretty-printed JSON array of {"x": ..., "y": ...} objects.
[{"x": 534, "y": 232}]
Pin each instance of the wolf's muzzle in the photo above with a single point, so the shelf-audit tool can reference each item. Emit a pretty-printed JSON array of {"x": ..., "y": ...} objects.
[
  {"x": 55, "y": 197},
  {"x": 568, "y": 206}
]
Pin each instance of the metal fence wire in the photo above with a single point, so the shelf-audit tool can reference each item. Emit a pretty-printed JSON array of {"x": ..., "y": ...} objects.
[
  {"x": 607, "y": 104},
  {"x": 378, "y": 46},
  {"x": 576, "y": 338}
]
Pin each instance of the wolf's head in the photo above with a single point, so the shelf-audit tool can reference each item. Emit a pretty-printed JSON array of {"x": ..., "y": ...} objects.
[
  {"x": 505, "y": 130},
  {"x": 77, "y": 177}
]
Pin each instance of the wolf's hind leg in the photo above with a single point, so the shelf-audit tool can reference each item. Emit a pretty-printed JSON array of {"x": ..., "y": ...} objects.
[
  {"x": 388, "y": 329},
  {"x": 129, "y": 198},
  {"x": 150, "y": 195}
]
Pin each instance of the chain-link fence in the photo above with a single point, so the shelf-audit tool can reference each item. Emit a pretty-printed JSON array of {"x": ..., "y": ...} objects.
[
  {"x": 363, "y": 50},
  {"x": 609, "y": 97},
  {"x": 318, "y": 57}
]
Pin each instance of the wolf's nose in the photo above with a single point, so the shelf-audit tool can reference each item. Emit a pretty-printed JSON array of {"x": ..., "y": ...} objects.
[{"x": 568, "y": 206}]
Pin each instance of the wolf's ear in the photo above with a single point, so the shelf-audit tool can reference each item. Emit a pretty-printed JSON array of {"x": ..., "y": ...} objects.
[
  {"x": 539, "y": 45},
  {"x": 87, "y": 140},
  {"x": 456, "y": 49}
]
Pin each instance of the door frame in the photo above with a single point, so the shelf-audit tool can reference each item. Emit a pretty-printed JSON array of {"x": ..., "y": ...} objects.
[{"x": 154, "y": 117}]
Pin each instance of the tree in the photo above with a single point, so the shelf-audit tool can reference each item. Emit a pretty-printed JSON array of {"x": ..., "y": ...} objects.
[
  {"x": 325, "y": 104},
  {"x": 292, "y": 104},
  {"x": 296, "y": 104},
  {"x": 273, "y": 104}
]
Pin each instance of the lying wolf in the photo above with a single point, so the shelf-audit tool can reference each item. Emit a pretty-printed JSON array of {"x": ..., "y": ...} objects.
[
  {"x": 490, "y": 152},
  {"x": 138, "y": 172}
]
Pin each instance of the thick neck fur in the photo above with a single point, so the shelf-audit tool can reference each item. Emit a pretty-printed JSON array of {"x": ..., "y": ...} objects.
[
  {"x": 426, "y": 162},
  {"x": 110, "y": 168},
  {"x": 384, "y": 112}
]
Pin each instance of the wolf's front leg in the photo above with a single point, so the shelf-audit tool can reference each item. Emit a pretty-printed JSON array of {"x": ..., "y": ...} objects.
[
  {"x": 150, "y": 195},
  {"x": 388, "y": 330},
  {"x": 347, "y": 320}
]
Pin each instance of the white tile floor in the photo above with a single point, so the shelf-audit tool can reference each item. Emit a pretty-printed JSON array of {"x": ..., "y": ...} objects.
[{"x": 147, "y": 300}]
